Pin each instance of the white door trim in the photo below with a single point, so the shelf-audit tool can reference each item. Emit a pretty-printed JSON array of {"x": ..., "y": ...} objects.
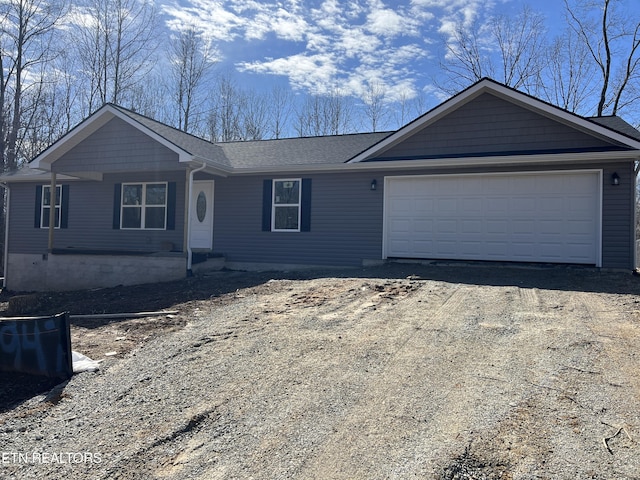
[{"x": 203, "y": 239}]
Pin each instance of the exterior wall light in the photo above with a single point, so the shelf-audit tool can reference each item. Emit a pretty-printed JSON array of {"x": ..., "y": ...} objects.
[
  {"x": 615, "y": 179},
  {"x": 374, "y": 184}
]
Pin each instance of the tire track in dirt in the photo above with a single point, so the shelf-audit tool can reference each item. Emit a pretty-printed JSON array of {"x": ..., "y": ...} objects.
[
  {"x": 408, "y": 399},
  {"x": 616, "y": 384},
  {"x": 565, "y": 411}
]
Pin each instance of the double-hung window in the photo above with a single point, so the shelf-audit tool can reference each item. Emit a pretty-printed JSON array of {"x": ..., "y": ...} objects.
[
  {"x": 45, "y": 207},
  {"x": 144, "y": 206},
  {"x": 285, "y": 216}
]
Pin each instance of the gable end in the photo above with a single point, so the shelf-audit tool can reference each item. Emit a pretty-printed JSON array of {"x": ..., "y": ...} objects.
[{"x": 491, "y": 126}]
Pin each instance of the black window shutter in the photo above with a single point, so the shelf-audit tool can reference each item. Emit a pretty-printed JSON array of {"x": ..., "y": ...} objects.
[
  {"x": 38, "y": 209},
  {"x": 305, "y": 206},
  {"x": 267, "y": 196},
  {"x": 117, "y": 198},
  {"x": 64, "y": 213},
  {"x": 171, "y": 206}
]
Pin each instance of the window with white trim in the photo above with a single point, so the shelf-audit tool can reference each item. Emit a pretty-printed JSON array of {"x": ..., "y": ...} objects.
[
  {"x": 144, "y": 206},
  {"x": 45, "y": 207},
  {"x": 285, "y": 213}
]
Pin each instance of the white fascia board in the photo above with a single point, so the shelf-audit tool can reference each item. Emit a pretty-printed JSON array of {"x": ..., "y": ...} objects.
[
  {"x": 414, "y": 164},
  {"x": 488, "y": 86}
]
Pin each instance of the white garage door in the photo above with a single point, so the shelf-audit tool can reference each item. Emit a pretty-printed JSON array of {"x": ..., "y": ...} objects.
[{"x": 541, "y": 217}]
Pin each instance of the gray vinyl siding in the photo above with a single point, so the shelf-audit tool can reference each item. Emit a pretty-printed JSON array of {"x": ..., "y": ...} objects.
[
  {"x": 490, "y": 125},
  {"x": 346, "y": 222},
  {"x": 117, "y": 147},
  {"x": 347, "y": 218},
  {"x": 91, "y": 218},
  {"x": 618, "y": 235}
]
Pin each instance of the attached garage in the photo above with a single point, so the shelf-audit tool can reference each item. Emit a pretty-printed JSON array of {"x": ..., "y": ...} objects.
[{"x": 551, "y": 217}]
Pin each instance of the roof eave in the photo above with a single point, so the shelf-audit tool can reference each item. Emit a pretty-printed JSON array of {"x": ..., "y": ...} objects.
[{"x": 432, "y": 163}]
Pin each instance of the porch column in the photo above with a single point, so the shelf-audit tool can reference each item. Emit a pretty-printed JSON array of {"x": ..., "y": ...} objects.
[
  {"x": 52, "y": 210},
  {"x": 187, "y": 199}
]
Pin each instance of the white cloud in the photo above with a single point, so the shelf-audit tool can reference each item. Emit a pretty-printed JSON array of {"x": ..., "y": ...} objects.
[
  {"x": 307, "y": 72},
  {"x": 282, "y": 23},
  {"x": 210, "y": 18},
  {"x": 332, "y": 43},
  {"x": 387, "y": 23}
]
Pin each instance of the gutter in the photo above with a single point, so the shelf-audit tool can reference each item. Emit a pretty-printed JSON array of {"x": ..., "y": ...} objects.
[
  {"x": 6, "y": 233},
  {"x": 189, "y": 206}
]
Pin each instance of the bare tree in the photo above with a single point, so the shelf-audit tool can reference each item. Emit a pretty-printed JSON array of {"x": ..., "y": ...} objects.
[
  {"x": 613, "y": 41},
  {"x": 520, "y": 43},
  {"x": 508, "y": 49},
  {"x": 26, "y": 34},
  {"x": 570, "y": 76},
  {"x": 374, "y": 105},
  {"x": 324, "y": 115},
  {"x": 466, "y": 60},
  {"x": 255, "y": 115},
  {"x": 281, "y": 105},
  {"x": 115, "y": 41},
  {"x": 190, "y": 60},
  {"x": 225, "y": 114}
]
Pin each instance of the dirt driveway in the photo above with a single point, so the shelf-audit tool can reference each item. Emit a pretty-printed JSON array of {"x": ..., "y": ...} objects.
[{"x": 404, "y": 371}]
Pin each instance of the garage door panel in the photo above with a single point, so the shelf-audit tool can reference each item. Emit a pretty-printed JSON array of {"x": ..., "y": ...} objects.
[
  {"x": 522, "y": 205},
  {"x": 471, "y": 204},
  {"x": 446, "y": 226},
  {"x": 495, "y": 206},
  {"x": 401, "y": 226},
  {"x": 497, "y": 227},
  {"x": 402, "y": 205},
  {"x": 524, "y": 250},
  {"x": 523, "y": 227},
  {"x": 547, "y": 217},
  {"x": 471, "y": 227},
  {"x": 423, "y": 227},
  {"x": 424, "y": 247},
  {"x": 579, "y": 227},
  {"x": 424, "y": 205}
]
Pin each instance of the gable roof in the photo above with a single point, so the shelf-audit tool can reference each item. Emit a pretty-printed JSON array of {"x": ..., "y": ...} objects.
[
  {"x": 604, "y": 129},
  {"x": 186, "y": 142},
  {"x": 227, "y": 156},
  {"x": 340, "y": 152}
]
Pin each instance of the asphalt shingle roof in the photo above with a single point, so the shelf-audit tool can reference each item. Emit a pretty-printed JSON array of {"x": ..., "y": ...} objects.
[
  {"x": 617, "y": 124},
  {"x": 265, "y": 153},
  {"x": 288, "y": 152},
  {"x": 299, "y": 151}
]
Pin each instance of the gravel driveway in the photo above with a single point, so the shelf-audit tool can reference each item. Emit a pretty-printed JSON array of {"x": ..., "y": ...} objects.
[{"x": 403, "y": 371}]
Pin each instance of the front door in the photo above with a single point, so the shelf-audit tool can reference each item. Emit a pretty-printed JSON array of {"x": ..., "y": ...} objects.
[{"x": 202, "y": 215}]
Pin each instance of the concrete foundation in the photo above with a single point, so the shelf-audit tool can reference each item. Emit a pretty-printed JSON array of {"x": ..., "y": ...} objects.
[{"x": 51, "y": 272}]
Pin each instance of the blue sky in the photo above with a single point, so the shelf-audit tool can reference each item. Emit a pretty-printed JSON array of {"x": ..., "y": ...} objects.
[
  {"x": 323, "y": 44},
  {"x": 319, "y": 46}
]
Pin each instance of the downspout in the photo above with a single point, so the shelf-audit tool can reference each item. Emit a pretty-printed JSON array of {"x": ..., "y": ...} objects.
[
  {"x": 6, "y": 233},
  {"x": 189, "y": 251}
]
